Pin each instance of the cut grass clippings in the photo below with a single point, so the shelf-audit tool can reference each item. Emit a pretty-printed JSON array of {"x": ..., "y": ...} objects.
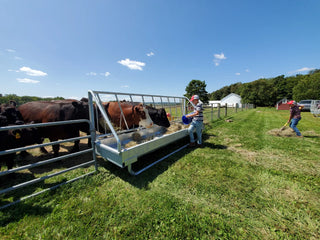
[{"x": 245, "y": 183}]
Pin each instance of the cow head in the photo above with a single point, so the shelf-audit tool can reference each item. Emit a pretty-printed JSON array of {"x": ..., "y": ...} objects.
[
  {"x": 159, "y": 116},
  {"x": 81, "y": 111},
  {"x": 141, "y": 113},
  {"x": 10, "y": 112}
]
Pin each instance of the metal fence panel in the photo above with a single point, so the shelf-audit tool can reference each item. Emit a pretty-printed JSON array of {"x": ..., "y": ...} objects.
[{"x": 27, "y": 183}]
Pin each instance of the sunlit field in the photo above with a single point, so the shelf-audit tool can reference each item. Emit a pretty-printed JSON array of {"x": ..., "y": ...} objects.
[{"x": 244, "y": 183}]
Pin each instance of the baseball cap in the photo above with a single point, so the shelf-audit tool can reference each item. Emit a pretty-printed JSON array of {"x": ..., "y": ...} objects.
[
  {"x": 194, "y": 97},
  {"x": 292, "y": 102}
]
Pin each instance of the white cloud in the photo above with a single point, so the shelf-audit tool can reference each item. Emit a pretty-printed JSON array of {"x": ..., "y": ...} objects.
[
  {"x": 10, "y": 50},
  {"x": 305, "y": 69},
  {"x": 73, "y": 97},
  {"x": 134, "y": 65},
  {"x": 218, "y": 58},
  {"x": 32, "y": 72},
  {"x": 247, "y": 70},
  {"x": 91, "y": 74},
  {"x": 125, "y": 86},
  {"x": 106, "y": 74},
  {"x": 17, "y": 58},
  {"x": 238, "y": 74},
  {"x": 150, "y": 54},
  {"x": 27, "y": 80},
  {"x": 11, "y": 70}
]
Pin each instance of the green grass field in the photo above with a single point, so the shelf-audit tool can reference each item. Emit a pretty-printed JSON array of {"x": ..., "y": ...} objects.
[{"x": 245, "y": 183}]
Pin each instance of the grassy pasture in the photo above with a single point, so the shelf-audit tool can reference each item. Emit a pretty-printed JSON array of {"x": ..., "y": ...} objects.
[{"x": 243, "y": 184}]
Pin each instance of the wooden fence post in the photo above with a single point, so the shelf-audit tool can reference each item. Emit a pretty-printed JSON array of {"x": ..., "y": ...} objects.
[
  {"x": 226, "y": 110},
  {"x": 212, "y": 112}
]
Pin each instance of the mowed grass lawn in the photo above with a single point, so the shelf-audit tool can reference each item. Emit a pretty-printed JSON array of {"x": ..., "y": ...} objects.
[{"x": 243, "y": 184}]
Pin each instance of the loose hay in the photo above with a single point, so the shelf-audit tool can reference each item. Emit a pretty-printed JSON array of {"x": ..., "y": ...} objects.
[
  {"x": 137, "y": 138},
  {"x": 287, "y": 132}
]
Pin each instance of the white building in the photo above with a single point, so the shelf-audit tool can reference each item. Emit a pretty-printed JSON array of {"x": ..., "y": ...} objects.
[{"x": 231, "y": 100}]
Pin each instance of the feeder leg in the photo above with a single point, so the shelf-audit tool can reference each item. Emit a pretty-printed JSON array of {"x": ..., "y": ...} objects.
[{"x": 130, "y": 170}]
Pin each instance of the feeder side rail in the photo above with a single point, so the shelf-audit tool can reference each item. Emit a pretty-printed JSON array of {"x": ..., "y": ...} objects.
[
  {"x": 135, "y": 94},
  {"x": 92, "y": 96}
]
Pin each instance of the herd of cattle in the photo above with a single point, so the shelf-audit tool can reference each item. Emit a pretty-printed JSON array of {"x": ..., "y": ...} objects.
[{"x": 131, "y": 115}]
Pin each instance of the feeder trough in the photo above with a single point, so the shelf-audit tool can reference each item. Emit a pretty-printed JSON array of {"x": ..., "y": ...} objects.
[{"x": 123, "y": 147}]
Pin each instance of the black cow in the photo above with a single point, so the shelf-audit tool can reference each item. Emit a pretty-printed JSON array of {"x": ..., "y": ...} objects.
[
  {"x": 15, "y": 139},
  {"x": 9, "y": 114},
  {"x": 158, "y": 116},
  {"x": 57, "y": 110},
  {"x": 10, "y": 139}
]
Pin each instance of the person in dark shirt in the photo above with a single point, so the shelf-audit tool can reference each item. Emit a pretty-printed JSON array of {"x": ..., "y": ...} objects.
[{"x": 295, "y": 116}]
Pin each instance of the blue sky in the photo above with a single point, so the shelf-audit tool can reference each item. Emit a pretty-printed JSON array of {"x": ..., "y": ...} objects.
[{"x": 66, "y": 47}]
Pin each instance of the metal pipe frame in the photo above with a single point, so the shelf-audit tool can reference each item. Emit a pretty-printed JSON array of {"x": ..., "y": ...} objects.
[
  {"x": 127, "y": 156},
  {"x": 24, "y": 184}
]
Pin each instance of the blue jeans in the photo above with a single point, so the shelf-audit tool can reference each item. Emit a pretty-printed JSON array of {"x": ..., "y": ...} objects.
[
  {"x": 198, "y": 126},
  {"x": 293, "y": 124}
]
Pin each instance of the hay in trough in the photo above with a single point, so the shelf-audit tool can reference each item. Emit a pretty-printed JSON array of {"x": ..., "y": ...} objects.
[
  {"x": 174, "y": 127},
  {"x": 137, "y": 138}
]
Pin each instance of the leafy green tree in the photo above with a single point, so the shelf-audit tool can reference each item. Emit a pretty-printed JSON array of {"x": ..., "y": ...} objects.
[
  {"x": 314, "y": 71},
  {"x": 267, "y": 92},
  {"x": 199, "y": 88},
  {"x": 280, "y": 87},
  {"x": 259, "y": 92},
  {"x": 308, "y": 87},
  {"x": 225, "y": 91}
]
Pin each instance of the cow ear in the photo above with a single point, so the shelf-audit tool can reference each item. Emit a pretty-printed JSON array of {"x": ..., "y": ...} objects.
[
  {"x": 76, "y": 103},
  {"x": 13, "y": 103},
  {"x": 141, "y": 108},
  {"x": 84, "y": 100}
]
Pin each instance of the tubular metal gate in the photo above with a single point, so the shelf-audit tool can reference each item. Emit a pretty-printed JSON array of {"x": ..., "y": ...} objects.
[
  {"x": 112, "y": 145},
  {"x": 48, "y": 161}
]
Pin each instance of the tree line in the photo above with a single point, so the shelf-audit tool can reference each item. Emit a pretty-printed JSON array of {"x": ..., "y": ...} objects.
[
  {"x": 266, "y": 92},
  {"x": 24, "y": 99}
]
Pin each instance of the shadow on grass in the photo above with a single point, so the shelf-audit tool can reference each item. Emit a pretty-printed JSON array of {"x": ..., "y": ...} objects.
[
  {"x": 143, "y": 179},
  {"x": 310, "y": 136},
  {"x": 17, "y": 212},
  {"x": 13, "y": 180},
  {"x": 28, "y": 158}
]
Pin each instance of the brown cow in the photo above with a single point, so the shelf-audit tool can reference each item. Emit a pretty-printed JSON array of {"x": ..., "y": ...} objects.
[
  {"x": 59, "y": 110},
  {"x": 135, "y": 115}
]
